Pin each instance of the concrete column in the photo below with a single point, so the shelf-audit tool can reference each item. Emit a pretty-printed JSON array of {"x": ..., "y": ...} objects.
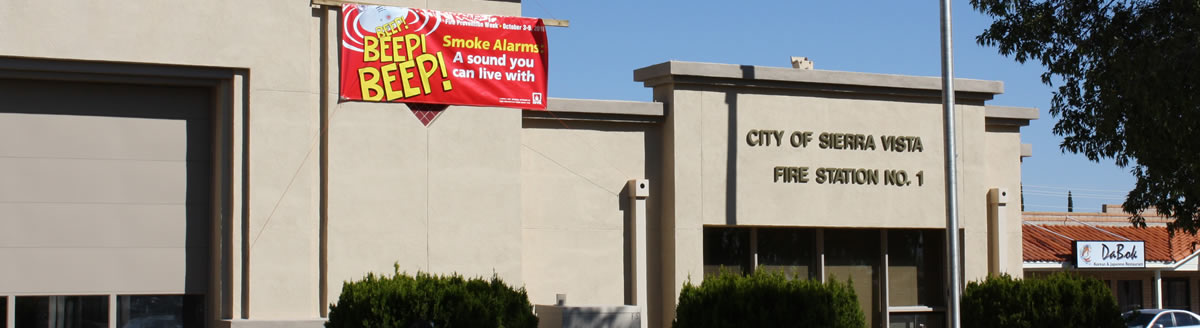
[
  {"x": 753, "y": 249},
  {"x": 884, "y": 302},
  {"x": 639, "y": 190},
  {"x": 996, "y": 212},
  {"x": 112, "y": 310},
  {"x": 11, "y": 309},
  {"x": 1158, "y": 294},
  {"x": 821, "y": 254}
]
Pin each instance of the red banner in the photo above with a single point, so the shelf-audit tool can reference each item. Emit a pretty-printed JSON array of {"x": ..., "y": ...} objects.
[{"x": 394, "y": 54}]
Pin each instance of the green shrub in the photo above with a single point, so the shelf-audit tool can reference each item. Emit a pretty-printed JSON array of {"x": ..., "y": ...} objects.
[
  {"x": 767, "y": 299},
  {"x": 445, "y": 301},
  {"x": 1058, "y": 300}
]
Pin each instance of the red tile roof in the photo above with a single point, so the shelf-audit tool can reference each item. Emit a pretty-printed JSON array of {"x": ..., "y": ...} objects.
[
  {"x": 1099, "y": 218},
  {"x": 1052, "y": 242}
]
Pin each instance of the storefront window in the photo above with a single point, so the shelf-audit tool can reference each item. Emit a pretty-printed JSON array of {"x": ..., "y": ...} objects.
[
  {"x": 1177, "y": 293},
  {"x": 160, "y": 311},
  {"x": 915, "y": 274},
  {"x": 1129, "y": 295},
  {"x": 853, "y": 254},
  {"x": 62, "y": 311},
  {"x": 3, "y": 311},
  {"x": 727, "y": 248},
  {"x": 787, "y": 250}
]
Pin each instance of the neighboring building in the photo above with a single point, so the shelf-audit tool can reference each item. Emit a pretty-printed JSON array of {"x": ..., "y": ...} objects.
[
  {"x": 1167, "y": 278},
  {"x": 189, "y": 162}
]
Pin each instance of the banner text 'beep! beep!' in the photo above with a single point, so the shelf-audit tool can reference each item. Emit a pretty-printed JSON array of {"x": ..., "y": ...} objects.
[
  {"x": 405, "y": 55},
  {"x": 425, "y": 56}
]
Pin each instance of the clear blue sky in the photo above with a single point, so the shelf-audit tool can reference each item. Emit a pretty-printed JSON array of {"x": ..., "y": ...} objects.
[{"x": 595, "y": 58}]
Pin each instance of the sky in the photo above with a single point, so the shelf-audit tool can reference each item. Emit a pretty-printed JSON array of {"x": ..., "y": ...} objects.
[{"x": 595, "y": 57}]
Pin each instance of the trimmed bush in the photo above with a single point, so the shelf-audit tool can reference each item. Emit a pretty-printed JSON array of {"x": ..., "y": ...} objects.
[
  {"x": 426, "y": 300},
  {"x": 767, "y": 299},
  {"x": 1058, "y": 300}
]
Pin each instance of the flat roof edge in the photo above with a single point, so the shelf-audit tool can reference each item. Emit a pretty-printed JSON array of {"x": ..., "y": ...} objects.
[
  {"x": 1019, "y": 113},
  {"x": 606, "y": 107},
  {"x": 651, "y": 76}
]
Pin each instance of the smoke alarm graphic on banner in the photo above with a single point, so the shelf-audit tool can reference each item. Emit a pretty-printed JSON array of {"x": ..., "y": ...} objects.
[
  {"x": 1110, "y": 254},
  {"x": 411, "y": 55}
]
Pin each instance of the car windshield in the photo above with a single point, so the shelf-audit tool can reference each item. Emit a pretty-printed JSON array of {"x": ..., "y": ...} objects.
[{"x": 1137, "y": 319}]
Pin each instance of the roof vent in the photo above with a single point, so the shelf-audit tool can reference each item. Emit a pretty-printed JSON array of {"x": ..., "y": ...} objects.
[{"x": 802, "y": 63}]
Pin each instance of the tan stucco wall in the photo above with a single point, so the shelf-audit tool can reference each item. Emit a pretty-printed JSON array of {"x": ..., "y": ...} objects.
[
  {"x": 377, "y": 192},
  {"x": 1004, "y": 142},
  {"x": 713, "y": 176},
  {"x": 761, "y": 201},
  {"x": 443, "y": 198},
  {"x": 575, "y": 207},
  {"x": 279, "y": 43},
  {"x": 972, "y": 190}
]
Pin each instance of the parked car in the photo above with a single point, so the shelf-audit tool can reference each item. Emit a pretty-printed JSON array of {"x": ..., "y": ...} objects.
[{"x": 1155, "y": 318}]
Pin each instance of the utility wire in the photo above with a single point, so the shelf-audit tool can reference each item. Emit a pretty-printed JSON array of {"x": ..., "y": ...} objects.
[
  {"x": 1072, "y": 188},
  {"x": 1028, "y": 193}
]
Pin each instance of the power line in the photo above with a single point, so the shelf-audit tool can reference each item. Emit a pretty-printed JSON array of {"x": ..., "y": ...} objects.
[
  {"x": 1075, "y": 193},
  {"x": 1089, "y": 196},
  {"x": 1045, "y": 206},
  {"x": 1072, "y": 188}
]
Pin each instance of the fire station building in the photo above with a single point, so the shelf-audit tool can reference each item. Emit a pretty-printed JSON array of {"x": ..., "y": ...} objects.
[{"x": 164, "y": 163}]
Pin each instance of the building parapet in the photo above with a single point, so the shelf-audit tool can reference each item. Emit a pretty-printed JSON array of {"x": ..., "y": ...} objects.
[
  {"x": 1012, "y": 116},
  {"x": 680, "y": 72},
  {"x": 599, "y": 110}
]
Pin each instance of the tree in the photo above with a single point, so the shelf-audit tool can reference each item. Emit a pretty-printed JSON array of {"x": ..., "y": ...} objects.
[
  {"x": 1070, "y": 202},
  {"x": 1128, "y": 75}
]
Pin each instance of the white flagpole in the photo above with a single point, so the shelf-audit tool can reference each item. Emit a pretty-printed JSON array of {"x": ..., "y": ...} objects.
[{"x": 955, "y": 289}]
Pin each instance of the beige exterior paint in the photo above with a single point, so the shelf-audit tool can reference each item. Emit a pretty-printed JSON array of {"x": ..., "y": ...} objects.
[
  {"x": 716, "y": 173},
  {"x": 575, "y": 203},
  {"x": 1003, "y": 144},
  {"x": 539, "y": 200},
  {"x": 279, "y": 44}
]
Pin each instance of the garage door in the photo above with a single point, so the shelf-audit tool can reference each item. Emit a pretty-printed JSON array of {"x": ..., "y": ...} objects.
[{"x": 104, "y": 190}]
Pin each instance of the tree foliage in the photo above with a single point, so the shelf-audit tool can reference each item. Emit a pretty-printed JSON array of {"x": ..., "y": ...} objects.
[
  {"x": 1128, "y": 75},
  {"x": 767, "y": 299},
  {"x": 1061, "y": 299},
  {"x": 427, "y": 300}
]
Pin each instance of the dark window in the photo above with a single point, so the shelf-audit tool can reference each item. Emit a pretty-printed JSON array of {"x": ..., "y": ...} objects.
[
  {"x": 915, "y": 274},
  {"x": 1129, "y": 295},
  {"x": 853, "y": 254},
  {"x": 727, "y": 248},
  {"x": 183, "y": 311},
  {"x": 1184, "y": 319},
  {"x": 3, "y": 311},
  {"x": 1176, "y": 291},
  {"x": 787, "y": 250},
  {"x": 62, "y": 311}
]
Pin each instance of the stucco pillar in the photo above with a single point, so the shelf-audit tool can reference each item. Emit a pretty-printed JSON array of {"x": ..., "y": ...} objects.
[
  {"x": 1158, "y": 294},
  {"x": 639, "y": 190},
  {"x": 997, "y": 212},
  {"x": 11, "y": 310}
]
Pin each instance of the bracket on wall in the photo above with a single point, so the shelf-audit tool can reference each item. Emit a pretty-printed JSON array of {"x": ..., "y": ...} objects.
[{"x": 547, "y": 21}]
